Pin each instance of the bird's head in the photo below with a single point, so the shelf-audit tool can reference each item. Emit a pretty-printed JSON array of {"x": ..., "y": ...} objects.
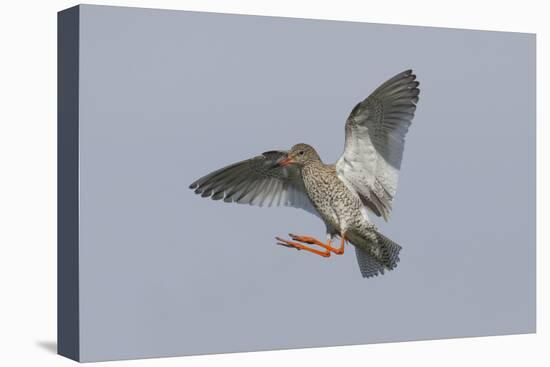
[{"x": 300, "y": 155}]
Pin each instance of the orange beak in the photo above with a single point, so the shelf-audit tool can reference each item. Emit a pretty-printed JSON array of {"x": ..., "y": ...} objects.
[{"x": 285, "y": 161}]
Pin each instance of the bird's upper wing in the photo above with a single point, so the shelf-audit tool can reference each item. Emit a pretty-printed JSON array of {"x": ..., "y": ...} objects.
[
  {"x": 257, "y": 181},
  {"x": 375, "y": 138}
]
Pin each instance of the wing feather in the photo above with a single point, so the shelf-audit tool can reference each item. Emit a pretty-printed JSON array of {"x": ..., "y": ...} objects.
[
  {"x": 375, "y": 140},
  {"x": 256, "y": 181}
]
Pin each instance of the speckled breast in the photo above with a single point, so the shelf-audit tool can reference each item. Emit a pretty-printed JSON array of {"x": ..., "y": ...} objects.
[{"x": 330, "y": 196}]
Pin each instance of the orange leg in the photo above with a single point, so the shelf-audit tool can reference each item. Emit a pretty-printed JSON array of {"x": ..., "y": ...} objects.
[{"x": 313, "y": 241}]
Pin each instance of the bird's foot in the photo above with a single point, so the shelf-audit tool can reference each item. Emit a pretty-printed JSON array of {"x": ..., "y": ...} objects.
[
  {"x": 313, "y": 241},
  {"x": 299, "y": 246},
  {"x": 307, "y": 239},
  {"x": 286, "y": 243}
]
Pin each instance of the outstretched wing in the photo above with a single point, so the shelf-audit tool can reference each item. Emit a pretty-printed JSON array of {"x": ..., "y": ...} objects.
[
  {"x": 257, "y": 181},
  {"x": 375, "y": 139}
]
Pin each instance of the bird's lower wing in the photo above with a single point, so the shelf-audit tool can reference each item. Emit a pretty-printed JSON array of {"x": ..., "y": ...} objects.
[{"x": 257, "y": 181}]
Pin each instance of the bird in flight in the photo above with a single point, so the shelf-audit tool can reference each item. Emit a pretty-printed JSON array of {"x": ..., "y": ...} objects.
[{"x": 364, "y": 179}]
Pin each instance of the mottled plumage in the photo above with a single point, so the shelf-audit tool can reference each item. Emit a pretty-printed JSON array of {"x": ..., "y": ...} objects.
[{"x": 364, "y": 178}]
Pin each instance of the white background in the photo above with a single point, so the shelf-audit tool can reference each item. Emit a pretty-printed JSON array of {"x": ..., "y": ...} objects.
[{"x": 28, "y": 182}]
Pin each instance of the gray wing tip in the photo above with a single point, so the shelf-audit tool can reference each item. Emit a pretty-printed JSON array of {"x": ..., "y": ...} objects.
[
  {"x": 403, "y": 86},
  {"x": 404, "y": 81},
  {"x": 199, "y": 189},
  {"x": 406, "y": 74}
]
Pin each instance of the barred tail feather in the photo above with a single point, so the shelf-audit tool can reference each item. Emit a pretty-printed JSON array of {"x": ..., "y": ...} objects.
[
  {"x": 368, "y": 265},
  {"x": 375, "y": 252}
]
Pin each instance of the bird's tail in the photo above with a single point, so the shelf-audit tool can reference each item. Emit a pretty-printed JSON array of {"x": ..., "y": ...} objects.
[{"x": 375, "y": 252}]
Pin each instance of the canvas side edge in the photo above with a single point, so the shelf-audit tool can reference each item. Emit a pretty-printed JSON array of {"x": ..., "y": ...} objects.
[{"x": 68, "y": 327}]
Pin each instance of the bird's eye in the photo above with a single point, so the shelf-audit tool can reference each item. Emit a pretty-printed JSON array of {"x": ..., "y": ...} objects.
[{"x": 301, "y": 152}]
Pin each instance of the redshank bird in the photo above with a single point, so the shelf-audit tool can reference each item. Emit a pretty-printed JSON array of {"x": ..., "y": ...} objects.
[{"x": 364, "y": 179}]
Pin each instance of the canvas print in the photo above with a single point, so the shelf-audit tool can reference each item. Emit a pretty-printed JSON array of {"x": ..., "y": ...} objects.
[
  {"x": 232, "y": 183},
  {"x": 364, "y": 178}
]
